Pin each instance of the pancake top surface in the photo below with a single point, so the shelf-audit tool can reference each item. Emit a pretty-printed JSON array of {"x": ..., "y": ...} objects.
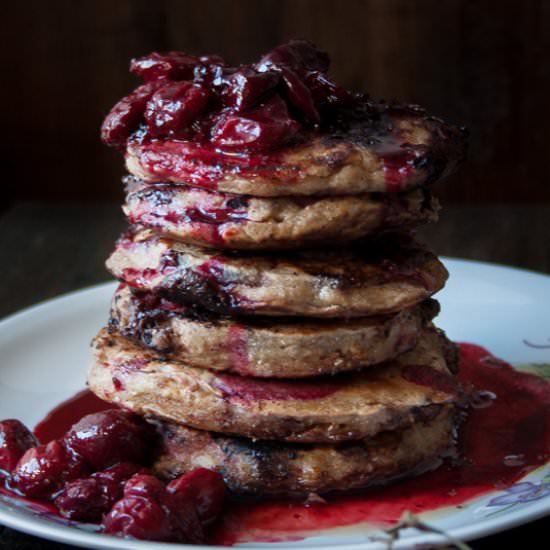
[
  {"x": 279, "y": 126},
  {"x": 385, "y": 149}
]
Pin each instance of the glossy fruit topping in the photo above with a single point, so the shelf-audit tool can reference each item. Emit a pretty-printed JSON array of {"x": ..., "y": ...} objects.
[
  {"x": 203, "y": 487},
  {"x": 168, "y": 65},
  {"x": 90, "y": 498},
  {"x": 148, "y": 511},
  {"x": 240, "y": 88},
  {"x": 15, "y": 439},
  {"x": 264, "y": 127},
  {"x": 111, "y": 436},
  {"x": 126, "y": 115},
  {"x": 300, "y": 55},
  {"x": 174, "y": 107},
  {"x": 72, "y": 472},
  {"x": 250, "y": 108},
  {"x": 43, "y": 471}
]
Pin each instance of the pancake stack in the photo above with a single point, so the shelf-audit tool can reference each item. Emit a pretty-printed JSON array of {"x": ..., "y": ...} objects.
[{"x": 274, "y": 317}]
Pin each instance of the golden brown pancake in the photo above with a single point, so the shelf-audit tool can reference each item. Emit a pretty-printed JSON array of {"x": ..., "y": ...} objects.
[
  {"x": 219, "y": 220},
  {"x": 374, "y": 277},
  {"x": 326, "y": 409},
  {"x": 265, "y": 347},
  {"x": 271, "y": 468}
]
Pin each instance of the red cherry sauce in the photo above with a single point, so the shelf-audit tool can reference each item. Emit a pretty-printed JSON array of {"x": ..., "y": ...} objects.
[
  {"x": 142, "y": 278},
  {"x": 139, "y": 278},
  {"x": 202, "y": 221},
  {"x": 221, "y": 295},
  {"x": 252, "y": 389},
  {"x": 205, "y": 166},
  {"x": 207, "y": 224},
  {"x": 397, "y": 164},
  {"x": 237, "y": 346},
  {"x": 59, "y": 420},
  {"x": 515, "y": 424}
]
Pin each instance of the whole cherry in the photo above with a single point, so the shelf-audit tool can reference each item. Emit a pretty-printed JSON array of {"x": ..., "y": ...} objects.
[
  {"x": 174, "y": 107},
  {"x": 241, "y": 88},
  {"x": 88, "y": 499},
  {"x": 15, "y": 439},
  {"x": 148, "y": 511},
  {"x": 166, "y": 65},
  {"x": 256, "y": 130},
  {"x": 205, "y": 488},
  {"x": 110, "y": 436},
  {"x": 299, "y": 96},
  {"x": 300, "y": 55},
  {"x": 326, "y": 92},
  {"x": 126, "y": 115},
  {"x": 43, "y": 471}
]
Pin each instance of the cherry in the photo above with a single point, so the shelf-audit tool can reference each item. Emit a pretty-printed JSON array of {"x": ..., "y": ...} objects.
[
  {"x": 326, "y": 92},
  {"x": 110, "y": 436},
  {"x": 205, "y": 488},
  {"x": 120, "y": 473},
  {"x": 15, "y": 439},
  {"x": 300, "y": 55},
  {"x": 299, "y": 95},
  {"x": 212, "y": 59},
  {"x": 42, "y": 471},
  {"x": 201, "y": 99},
  {"x": 148, "y": 511},
  {"x": 174, "y": 107},
  {"x": 126, "y": 115},
  {"x": 166, "y": 65},
  {"x": 210, "y": 75},
  {"x": 259, "y": 129},
  {"x": 144, "y": 485},
  {"x": 241, "y": 88},
  {"x": 88, "y": 499},
  {"x": 139, "y": 518}
]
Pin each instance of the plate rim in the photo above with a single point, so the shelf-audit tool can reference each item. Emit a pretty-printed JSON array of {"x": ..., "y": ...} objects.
[{"x": 44, "y": 528}]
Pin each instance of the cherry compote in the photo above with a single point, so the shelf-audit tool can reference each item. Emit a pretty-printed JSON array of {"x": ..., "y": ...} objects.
[
  {"x": 96, "y": 472},
  {"x": 251, "y": 108}
]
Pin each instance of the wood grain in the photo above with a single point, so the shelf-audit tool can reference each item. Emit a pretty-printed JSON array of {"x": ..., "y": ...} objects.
[{"x": 480, "y": 64}]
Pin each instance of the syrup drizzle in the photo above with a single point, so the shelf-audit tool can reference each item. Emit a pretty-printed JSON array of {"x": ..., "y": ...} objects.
[{"x": 501, "y": 440}]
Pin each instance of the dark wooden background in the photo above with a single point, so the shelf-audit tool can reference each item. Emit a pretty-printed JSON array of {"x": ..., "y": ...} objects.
[{"x": 481, "y": 63}]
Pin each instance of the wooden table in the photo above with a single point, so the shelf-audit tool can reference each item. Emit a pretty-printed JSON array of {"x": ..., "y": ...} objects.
[{"x": 51, "y": 249}]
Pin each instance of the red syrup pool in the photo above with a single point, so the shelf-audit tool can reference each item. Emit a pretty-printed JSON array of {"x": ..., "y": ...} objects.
[{"x": 499, "y": 443}]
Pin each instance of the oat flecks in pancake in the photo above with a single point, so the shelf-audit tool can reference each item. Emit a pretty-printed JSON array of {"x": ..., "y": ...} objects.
[
  {"x": 272, "y": 468},
  {"x": 346, "y": 407},
  {"x": 220, "y": 220},
  {"x": 265, "y": 347},
  {"x": 367, "y": 278}
]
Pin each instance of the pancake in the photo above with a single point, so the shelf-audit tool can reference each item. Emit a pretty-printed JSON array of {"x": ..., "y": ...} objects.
[
  {"x": 375, "y": 277},
  {"x": 380, "y": 148},
  {"x": 282, "y": 469},
  {"x": 280, "y": 348},
  {"x": 327, "y": 409},
  {"x": 219, "y": 220}
]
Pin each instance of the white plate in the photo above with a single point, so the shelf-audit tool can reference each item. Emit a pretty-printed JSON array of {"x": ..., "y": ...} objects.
[{"x": 45, "y": 351}]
